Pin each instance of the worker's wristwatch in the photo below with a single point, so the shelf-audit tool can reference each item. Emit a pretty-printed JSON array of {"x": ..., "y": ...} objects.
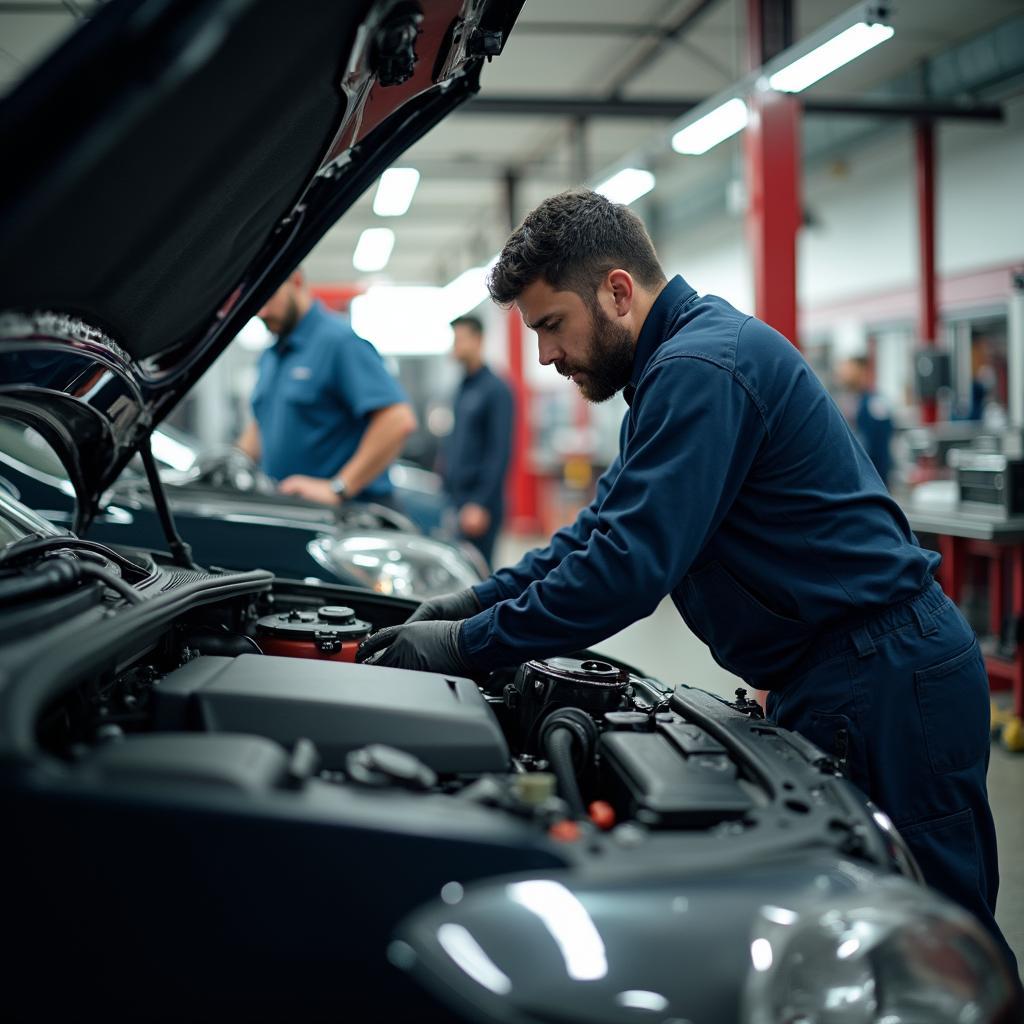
[{"x": 339, "y": 488}]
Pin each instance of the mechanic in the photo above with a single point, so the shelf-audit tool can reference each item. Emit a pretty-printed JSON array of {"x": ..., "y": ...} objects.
[
  {"x": 867, "y": 412},
  {"x": 476, "y": 453},
  {"x": 740, "y": 490},
  {"x": 329, "y": 418}
]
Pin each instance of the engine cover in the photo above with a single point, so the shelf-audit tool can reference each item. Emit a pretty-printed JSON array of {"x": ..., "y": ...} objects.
[{"x": 445, "y": 722}]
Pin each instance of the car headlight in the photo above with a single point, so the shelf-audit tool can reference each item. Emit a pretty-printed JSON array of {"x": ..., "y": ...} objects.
[
  {"x": 392, "y": 563},
  {"x": 906, "y": 956}
]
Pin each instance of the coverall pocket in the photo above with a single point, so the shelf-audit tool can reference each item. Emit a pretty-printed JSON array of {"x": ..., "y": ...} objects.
[
  {"x": 947, "y": 853},
  {"x": 953, "y": 700}
]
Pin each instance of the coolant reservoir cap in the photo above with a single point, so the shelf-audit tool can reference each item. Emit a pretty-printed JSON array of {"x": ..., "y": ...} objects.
[{"x": 338, "y": 614}]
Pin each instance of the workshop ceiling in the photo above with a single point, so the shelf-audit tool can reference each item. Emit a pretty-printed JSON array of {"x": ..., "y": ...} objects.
[{"x": 566, "y": 48}]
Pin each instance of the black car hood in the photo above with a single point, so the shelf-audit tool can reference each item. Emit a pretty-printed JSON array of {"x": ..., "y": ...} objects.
[{"x": 167, "y": 168}]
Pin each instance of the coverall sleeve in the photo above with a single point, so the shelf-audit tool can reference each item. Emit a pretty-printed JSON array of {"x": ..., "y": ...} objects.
[
  {"x": 536, "y": 564},
  {"x": 697, "y": 433},
  {"x": 495, "y": 448}
]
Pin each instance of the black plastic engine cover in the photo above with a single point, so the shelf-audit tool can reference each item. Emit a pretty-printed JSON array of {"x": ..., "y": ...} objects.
[
  {"x": 666, "y": 788},
  {"x": 445, "y": 722}
]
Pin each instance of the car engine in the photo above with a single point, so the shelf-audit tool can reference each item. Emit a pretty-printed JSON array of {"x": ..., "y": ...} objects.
[{"x": 211, "y": 732}]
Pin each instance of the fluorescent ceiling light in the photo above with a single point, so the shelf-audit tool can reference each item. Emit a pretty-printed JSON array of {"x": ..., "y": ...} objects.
[
  {"x": 839, "y": 50},
  {"x": 395, "y": 191},
  {"x": 626, "y": 186},
  {"x": 466, "y": 291},
  {"x": 711, "y": 129},
  {"x": 403, "y": 321},
  {"x": 373, "y": 250}
]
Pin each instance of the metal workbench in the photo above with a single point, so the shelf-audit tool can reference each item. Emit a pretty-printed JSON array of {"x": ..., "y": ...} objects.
[{"x": 963, "y": 532}]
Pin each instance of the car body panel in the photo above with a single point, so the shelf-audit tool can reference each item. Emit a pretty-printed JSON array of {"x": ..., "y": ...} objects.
[{"x": 189, "y": 101}]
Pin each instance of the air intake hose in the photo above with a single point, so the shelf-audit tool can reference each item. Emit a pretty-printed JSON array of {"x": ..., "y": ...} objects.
[{"x": 568, "y": 736}]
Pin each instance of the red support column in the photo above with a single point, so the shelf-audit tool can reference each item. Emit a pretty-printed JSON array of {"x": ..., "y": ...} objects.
[
  {"x": 927, "y": 314},
  {"x": 522, "y": 484},
  {"x": 774, "y": 213},
  {"x": 772, "y": 149}
]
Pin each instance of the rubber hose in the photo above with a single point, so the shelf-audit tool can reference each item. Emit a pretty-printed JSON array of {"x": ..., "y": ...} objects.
[
  {"x": 52, "y": 578},
  {"x": 558, "y": 743}
]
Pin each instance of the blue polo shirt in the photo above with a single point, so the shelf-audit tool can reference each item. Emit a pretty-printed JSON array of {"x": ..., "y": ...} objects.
[
  {"x": 314, "y": 395},
  {"x": 739, "y": 489}
]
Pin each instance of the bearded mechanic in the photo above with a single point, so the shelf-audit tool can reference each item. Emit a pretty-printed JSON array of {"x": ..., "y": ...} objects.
[{"x": 740, "y": 491}]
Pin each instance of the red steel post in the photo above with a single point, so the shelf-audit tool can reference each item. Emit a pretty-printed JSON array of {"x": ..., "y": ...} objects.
[
  {"x": 772, "y": 150},
  {"x": 522, "y": 485}
]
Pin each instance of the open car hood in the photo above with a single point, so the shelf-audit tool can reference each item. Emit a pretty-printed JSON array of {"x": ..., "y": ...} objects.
[{"x": 170, "y": 164}]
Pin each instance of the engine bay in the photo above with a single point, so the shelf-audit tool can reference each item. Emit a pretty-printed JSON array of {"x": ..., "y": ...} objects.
[
  {"x": 260, "y": 693},
  {"x": 201, "y": 773}
]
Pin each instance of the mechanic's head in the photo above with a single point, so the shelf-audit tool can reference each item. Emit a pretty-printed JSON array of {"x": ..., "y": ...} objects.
[
  {"x": 584, "y": 274},
  {"x": 468, "y": 343},
  {"x": 854, "y": 374},
  {"x": 288, "y": 305}
]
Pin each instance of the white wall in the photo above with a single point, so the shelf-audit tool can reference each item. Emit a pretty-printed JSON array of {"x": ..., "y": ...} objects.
[{"x": 865, "y": 236}]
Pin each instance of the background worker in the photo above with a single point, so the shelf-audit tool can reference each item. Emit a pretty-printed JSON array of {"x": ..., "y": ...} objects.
[
  {"x": 475, "y": 456},
  {"x": 867, "y": 412},
  {"x": 740, "y": 491},
  {"x": 329, "y": 418}
]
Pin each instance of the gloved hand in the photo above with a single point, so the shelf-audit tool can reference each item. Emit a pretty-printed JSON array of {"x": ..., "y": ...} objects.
[
  {"x": 426, "y": 646},
  {"x": 460, "y": 605}
]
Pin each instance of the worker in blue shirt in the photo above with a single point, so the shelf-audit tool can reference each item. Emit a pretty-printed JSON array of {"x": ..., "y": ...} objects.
[
  {"x": 740, "y": 491},
  {"x": 868, "y": 414},
  {"x": 329, "y": 418},
  {"x": 476, "y": 453}
]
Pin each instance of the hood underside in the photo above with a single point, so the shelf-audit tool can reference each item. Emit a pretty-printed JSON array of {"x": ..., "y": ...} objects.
[{"x": 171, "y": 163}]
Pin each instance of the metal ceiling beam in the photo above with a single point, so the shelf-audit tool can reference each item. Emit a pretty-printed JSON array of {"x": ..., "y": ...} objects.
[
  {"x": 669, "y": 34},
  {"x": 618, "y": 29},
  {"x": 657, "y": 107}
]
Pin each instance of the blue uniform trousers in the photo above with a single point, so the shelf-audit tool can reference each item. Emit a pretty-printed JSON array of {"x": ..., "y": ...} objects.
[{"x": 901, "y": 701}]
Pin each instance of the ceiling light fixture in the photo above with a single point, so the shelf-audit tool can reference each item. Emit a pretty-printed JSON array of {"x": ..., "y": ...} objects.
[
  {"x": 626, "y": 185},
  {"x": 839, "y": 50},
  {"x": 395, "y": 190},
  {"x": 714, "y": 127},
  {"x": 843, "y": 39},
  {"x": 373, "y": 250}
]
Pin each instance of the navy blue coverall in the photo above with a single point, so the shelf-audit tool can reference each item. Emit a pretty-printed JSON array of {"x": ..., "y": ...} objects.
[
  {"x": 873, "y": 428},
  {"x": 476, "y": 453},
  {"x": 740, "y": 490}
]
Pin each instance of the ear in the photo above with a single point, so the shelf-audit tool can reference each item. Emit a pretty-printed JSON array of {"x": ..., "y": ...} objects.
[{"x": 622, "y": 287}]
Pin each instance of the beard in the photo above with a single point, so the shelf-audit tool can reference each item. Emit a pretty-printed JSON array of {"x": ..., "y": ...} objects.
[
  {"x": 284, "y": 324},
  {"x": 609, "y": 363}
]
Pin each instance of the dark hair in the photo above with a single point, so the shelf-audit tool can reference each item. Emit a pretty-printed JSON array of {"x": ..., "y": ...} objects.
[
  {"x": 571, "y": 241},
  {"x": 474, "y": 323}
]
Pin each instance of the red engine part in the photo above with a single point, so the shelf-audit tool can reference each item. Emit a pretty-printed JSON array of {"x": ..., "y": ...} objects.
[
  {"x": 331, "y": 633},
  {"x": 346, "y": 651}
]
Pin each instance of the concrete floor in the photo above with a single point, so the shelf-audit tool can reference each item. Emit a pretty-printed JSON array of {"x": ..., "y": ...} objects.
[{"x": 664, "y": 648}]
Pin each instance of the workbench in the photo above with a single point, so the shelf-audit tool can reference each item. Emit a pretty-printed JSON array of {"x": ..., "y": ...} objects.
[{"x": 999, "y": 539}]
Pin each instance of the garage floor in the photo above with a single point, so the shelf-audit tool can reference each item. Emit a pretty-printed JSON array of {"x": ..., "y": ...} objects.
[{"x": 663, "y": 647}]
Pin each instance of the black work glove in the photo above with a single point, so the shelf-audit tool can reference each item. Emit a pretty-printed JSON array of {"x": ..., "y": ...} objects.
[
  {"x": 425, "y": 646},
  {"x": 460, "y": 605}
]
